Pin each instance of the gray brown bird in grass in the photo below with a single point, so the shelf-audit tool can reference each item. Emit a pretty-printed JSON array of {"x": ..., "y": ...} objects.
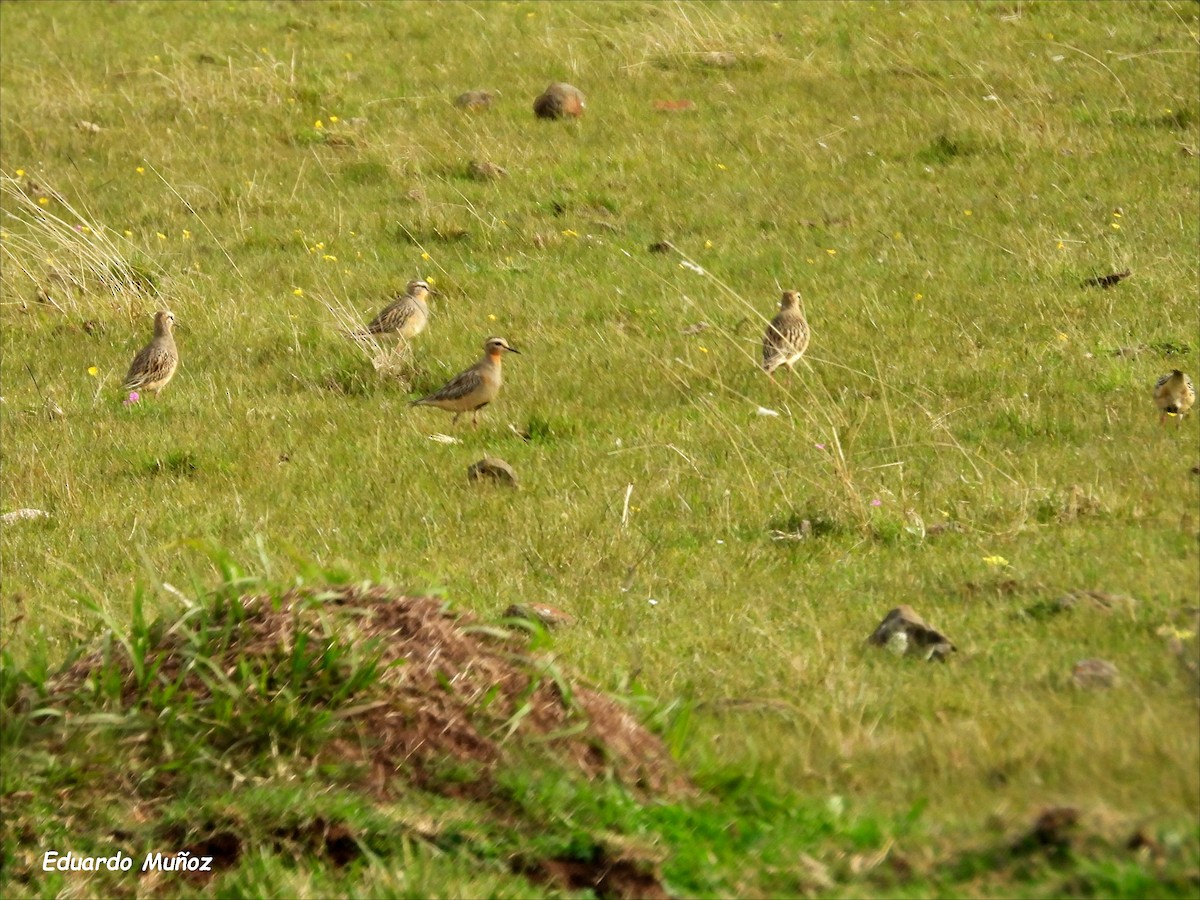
[
  {"x": 1174, "y": 395},
  {"x": 559, "y": 101},
  {"x": 406, "y": 316},
  {"x": 786, "y": 337},
  {"x": 155, "y": 363},
  {"x": 472, "y": 390}
]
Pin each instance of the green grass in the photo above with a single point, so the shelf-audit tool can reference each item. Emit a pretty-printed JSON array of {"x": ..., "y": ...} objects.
[{"x": 936, "y": 179}]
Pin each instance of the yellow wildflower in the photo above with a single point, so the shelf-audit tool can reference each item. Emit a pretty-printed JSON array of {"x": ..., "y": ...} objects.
[
  {"x": 1115, "y": 226},
  {"x": 570, "y": 232},
  {"x": 967, "y": 212},
  {"x": 425, "y": 256},
  {"x": 491, "y": 317},
  {"x": 831, "y": 252},
  {"x": 161, "y": 236},
  {"x": 141, "y": 170},
  {"x": 318, "y": 124},
  {"x": 20, "y": 173},
  {"x": 329, "y": 258},
  {"x": 299, "y": 292},
  {"x": 93, "y": 371},
  {"x": 996, "y": 561},
  {"x": 42, "y": 201}
]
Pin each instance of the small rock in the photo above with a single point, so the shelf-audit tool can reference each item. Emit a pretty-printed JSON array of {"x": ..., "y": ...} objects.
[
  {"x": 1094, "y": 674},
  {"x": 18, "y": 515},
  {"x": 494, "y": 468},
  {"x": 1052, "y": 831},
  {"x": 1101, "y": 601},
  {"x": 539, "y": 612},
  {"x": 558, "y": 101},
  {"x": 696, "y": 328},
  {"x": 475, "y": 101},
  {"x": 905, "y": 633},
  {"x": 482, "y": 170},
  {"x": 719, "y": 59}
]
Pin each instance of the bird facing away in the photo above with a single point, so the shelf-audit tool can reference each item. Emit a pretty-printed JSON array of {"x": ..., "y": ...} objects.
[
  {"x": 1174, "y": 395},
  {"x": 786, "y": 337},
  {"x": 559, "y": 100},
  {"x": 155, "y": 363},
  {"x": 472, "y": 390},
  {"x": 406, "y": 316}
]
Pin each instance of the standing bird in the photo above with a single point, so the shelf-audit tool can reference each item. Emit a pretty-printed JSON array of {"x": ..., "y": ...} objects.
[
  {"x": 786, "y": 337},
  {"x": 1174, "y": 394},
  {"x": 406, "y": 316},
  {"x": 472, "y": 390},
  {"x": 155, "y": 363}
]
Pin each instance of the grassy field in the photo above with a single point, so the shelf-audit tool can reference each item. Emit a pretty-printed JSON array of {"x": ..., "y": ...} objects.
[{"x": 971, "y": 431}]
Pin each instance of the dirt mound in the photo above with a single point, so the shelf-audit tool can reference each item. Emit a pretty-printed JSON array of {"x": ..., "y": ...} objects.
[{"x": 449, "y": 698}]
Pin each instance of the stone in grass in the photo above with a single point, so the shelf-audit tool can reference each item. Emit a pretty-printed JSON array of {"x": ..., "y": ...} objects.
[
  {"x": 1100, "y": 601},
  {"x": 19, "y": 515},
  {"x": 906, "y": 634},
  {"x": 1094, "y": 674},
  {"x": 539, "y": 612},
  {"x": 719, "y": 59},
  {"x": 493, "y": 468},
  {"x": 482, "y": 170},
  {"x": 475, "y": 101},
  {"x": 559, "y": 101}
]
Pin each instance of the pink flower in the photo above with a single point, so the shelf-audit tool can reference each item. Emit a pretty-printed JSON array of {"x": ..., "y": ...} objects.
[
  {"x": 877, "y": 502},
  {"x": 819, "y": 446},
  {"x": 133, "y": 398}
]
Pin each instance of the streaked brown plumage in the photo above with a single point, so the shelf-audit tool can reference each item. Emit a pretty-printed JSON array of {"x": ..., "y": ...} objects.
[
  {"x": 1174, "y": 395},
  {"x": 472, "y": 390},
  {"x": 155, "y": 363},
  {"x": 786, "y": 338},
  {"x": 406, "y": 316}
]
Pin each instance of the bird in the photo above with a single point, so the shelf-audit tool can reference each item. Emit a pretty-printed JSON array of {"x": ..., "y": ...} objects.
[
  {"x": 559, "y": 100},
  {"x": 786, "y": 338},
  {"x": 406, "y": 316},
  {"x": 155, "y": 363},
  {"x": 1174, "y": 395},
  {"x": 472, "y": 390}
]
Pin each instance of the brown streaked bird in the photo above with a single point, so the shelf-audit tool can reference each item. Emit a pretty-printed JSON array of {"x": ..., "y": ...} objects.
[
  {"x": 472, "y": 390},
  {"x": 1174, "y": 395},
  {"x": 406, "y": 316},
  {"x": 155, "y": 363},
  {"x": 786, "y": 338},
  {"x": 559, "y": 100}
]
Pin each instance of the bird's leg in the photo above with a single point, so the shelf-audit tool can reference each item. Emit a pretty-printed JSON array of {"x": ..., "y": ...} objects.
[{"x": 454, "y": 421}]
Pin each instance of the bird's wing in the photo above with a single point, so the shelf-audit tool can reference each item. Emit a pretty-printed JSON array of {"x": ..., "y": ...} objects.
[
  {"x": 151, "y": 364},
  {"x": 390, "y": 317},
  {"x": 461, "y": 385},
  {"x": 1161, "y": 381}
]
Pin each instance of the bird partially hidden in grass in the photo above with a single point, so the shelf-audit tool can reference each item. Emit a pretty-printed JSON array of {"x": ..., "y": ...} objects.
[
  {"x": 1174, "y": 395},
  {"x": 559, "y": 101},
  {"x": 155, "y": 363},
  {"x": 786, "y": 337},
  {"x": 472, "y": 390},
  {"x": 406, "y": 316}
]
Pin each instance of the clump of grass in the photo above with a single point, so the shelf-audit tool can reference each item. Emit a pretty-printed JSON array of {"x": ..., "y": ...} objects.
[{"x": 62, "y": 256}]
